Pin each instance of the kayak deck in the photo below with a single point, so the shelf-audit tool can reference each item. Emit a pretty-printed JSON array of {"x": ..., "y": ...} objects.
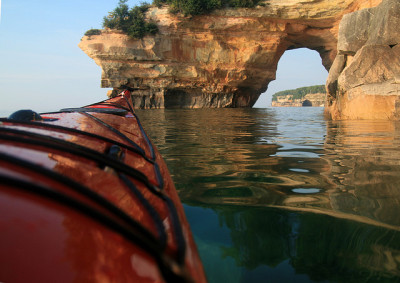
[{"x": 85, "y": 196}]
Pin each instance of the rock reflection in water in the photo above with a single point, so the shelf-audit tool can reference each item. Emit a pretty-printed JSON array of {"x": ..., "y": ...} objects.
[
  {"x": 230, "y": 156},
  {"x": 274, "y": 245},
  {"x": 294, "y": 197},
  {"x": 365, "y": 160}
]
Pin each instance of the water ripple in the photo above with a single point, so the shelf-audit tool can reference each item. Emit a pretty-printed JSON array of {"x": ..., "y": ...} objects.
[{"x": 283, "y": 178}]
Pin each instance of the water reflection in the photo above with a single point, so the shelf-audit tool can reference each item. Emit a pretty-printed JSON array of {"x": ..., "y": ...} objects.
[
  {"x": 273, "y": 245},
  {"x": 282, "y": 195},
  {"x": 365, "y": 161},
  {"x": 238, "y": 160}
]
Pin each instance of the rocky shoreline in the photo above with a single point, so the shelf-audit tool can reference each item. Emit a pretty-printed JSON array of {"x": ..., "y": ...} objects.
[{"x": 312, "y": 99}]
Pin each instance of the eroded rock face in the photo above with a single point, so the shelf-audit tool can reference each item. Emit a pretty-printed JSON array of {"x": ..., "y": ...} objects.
[
  {"x": 225, "y": 59},
  {"x": 364, "y": 80}
]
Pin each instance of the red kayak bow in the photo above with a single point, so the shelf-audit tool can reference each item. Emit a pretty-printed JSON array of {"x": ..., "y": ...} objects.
[{"x": 86, "y": 197}]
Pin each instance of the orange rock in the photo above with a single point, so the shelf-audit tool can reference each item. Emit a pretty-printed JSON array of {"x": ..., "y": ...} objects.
[{"x": 364, "y": 80}]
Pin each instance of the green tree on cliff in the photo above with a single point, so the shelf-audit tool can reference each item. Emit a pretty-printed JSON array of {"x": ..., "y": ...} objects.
[
  {"x": 131, "y": 21},
  {"x": 195, "y": 7}
]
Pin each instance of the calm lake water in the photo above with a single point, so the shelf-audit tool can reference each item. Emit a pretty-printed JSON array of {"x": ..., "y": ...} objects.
[{"x": 281, "y": 195}]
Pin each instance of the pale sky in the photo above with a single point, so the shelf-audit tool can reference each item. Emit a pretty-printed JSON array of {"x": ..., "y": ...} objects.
[{"x": 42, "y": 68}]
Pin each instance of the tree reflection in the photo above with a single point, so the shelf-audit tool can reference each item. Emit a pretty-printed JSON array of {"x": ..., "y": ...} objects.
[{"x": 319, "y": 246}]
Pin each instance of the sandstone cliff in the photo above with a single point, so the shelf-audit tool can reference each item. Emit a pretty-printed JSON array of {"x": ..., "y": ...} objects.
[
  {"x": 364, "y": 80},
  {"x": 225, "y": 59}
]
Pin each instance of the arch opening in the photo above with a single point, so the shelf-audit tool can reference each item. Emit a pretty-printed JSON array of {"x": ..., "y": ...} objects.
[{"x": 297, "y": 68}]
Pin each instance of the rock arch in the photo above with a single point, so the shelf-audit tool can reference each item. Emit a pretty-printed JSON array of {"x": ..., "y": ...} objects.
[{"x": 225, "y": 59}]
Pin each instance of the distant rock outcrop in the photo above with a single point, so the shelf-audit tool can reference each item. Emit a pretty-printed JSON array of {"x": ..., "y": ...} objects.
[
  {"x": 312, "y": 99},
  {"x": 364, "y": 81},
  {"x": 224, "y": 59}
]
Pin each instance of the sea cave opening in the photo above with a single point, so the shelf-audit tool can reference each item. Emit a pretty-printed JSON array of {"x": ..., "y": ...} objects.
[{"x": 297, "y": 68}]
